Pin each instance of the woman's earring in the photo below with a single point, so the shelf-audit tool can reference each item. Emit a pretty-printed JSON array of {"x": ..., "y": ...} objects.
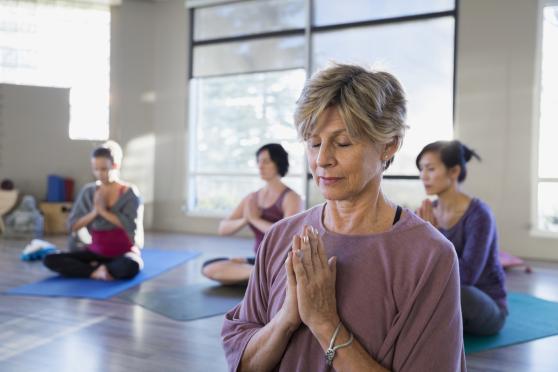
[{"x": 384, "y": 162}]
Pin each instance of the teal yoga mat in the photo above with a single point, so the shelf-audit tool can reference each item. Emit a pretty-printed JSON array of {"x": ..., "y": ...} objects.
[
  {"x": 530, "y": 318},
  {"x": 155, "y": 263}
]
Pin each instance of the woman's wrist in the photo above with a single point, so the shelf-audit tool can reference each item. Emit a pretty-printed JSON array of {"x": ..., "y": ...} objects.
[
  {"x": 284, "y": 324},
  {"x": 103, "y": 212},
  {"x": 253, "y": 220},
  {"x": 325, "y": 329}
]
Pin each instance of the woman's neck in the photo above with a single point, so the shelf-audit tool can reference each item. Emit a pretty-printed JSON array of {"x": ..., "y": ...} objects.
[
  {"x": 274, "y": 185},
  {"x": 111, "y": 183},
  {"x": 367, "y": 214},
  {"x": 452, "y": 199}
]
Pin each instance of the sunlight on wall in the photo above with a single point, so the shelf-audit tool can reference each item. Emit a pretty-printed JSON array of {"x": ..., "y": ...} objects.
[
  {"x": 61, "y": 44},
  {"x": 138, "y": 168}
]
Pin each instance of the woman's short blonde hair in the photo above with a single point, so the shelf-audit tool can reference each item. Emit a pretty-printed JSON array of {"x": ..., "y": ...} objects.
[{"x": 371, "y": 103}]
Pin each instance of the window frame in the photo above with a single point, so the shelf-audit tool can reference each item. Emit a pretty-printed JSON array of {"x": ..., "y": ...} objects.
[
  {"x": 307, "y": 31},
  {"x": 192, "y": 155},
  {"x": 535, "y": 230}
]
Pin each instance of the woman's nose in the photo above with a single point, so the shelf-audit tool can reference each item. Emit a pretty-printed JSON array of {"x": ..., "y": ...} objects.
[{"x": 325, "y": 156}]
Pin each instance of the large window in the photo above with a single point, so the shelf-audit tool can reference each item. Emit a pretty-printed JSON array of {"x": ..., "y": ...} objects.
[
  {"x": 61, "y": 44},
  {"x": 420, "y": 54},
  {"x": 249, "y": 60},
  {"x": 547, "y": 177},
  {"x": 233, "y": 116}
]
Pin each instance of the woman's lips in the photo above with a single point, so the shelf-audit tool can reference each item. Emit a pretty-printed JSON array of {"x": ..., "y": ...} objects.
[{"x": 328, "y": 181}]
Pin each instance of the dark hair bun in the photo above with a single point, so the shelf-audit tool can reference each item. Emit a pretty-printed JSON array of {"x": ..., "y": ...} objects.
[
  {"x": 468, "y": 154},
  {"x": 452, "y": 153}
]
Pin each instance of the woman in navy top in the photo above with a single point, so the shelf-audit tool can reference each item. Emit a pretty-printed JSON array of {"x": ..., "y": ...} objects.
[{"x": 469, "y": 224}]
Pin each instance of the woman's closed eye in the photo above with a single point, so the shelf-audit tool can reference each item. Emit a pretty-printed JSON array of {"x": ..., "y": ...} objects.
[{"x": 343, "y": 140}]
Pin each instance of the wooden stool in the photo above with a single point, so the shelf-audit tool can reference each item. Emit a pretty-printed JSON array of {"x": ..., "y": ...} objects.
[{"x": 8, "y": 200}]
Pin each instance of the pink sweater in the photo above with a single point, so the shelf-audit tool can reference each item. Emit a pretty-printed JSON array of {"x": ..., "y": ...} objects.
[{"x": 397, "y": 291}]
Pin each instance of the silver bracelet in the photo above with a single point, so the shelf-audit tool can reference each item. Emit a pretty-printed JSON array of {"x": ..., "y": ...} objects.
[{"x": 330, "y": 352}]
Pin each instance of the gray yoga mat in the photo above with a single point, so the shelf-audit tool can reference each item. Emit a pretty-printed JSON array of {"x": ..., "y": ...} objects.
[{"x": 189, "y": 302}]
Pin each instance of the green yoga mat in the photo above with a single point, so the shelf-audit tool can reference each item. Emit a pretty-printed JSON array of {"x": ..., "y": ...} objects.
[
  {"x": 530, "y": 318},
  {"x": 190, "y": 302}
]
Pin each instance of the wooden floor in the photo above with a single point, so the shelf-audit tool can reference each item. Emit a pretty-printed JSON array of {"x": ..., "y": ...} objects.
[{"x": 60, "y": 334}]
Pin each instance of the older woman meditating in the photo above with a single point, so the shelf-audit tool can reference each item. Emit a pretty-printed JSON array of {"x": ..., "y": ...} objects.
[{"x": 357, "y": 283}]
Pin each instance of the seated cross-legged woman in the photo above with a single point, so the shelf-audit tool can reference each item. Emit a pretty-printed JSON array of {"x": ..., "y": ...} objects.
[
  {"x": 356, "y": 283},
  {"x": 259, "y": 210},
  {"x": 112, "y": 212},
  {"x": 469, "y": 224}
]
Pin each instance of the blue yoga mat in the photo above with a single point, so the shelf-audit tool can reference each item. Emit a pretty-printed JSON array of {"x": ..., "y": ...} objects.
[
  {"x": 156, "y": 262},
  {"x": 530, "y": 318}
]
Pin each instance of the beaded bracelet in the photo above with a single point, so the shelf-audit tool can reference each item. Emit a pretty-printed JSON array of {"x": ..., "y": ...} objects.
[{"x": 330, "y": 353}]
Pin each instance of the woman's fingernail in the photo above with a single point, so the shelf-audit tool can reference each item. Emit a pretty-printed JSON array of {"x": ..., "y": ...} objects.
[{"x": 299, "y": 253}]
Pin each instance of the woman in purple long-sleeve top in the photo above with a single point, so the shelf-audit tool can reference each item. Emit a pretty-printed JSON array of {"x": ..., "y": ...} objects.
[
  {"x": 356, "y": 283},
  {"x": 469, "y": 224}
]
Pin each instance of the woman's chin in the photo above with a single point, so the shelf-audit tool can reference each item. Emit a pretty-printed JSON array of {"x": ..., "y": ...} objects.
[
  {"x": 430, "y": 192},
  {"x": 331, "y": 194}
]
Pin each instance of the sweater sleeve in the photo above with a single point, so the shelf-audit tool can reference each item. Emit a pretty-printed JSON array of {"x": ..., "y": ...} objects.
[
  {"x": 246, "y": 319},
  {"x": 433, "y": 322},
  {"x": 131, "y": 217},
  {"x": 82, "y": 205},
  {"x": 480, "y": 229}
]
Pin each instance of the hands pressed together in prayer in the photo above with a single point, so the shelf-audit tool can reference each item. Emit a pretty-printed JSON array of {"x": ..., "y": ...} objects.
[
  {"x": 251, "y": 209},
  {"x": 99, "y": 200},
  {"x": 426, "y": 212},
  {"x": 310, "y": 296}
]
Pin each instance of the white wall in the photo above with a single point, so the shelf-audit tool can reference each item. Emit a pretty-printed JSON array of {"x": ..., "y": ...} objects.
[
  {"x": 133, "y": 57},
  {"x": 34, "y": 142},
  {"x": 497, "y": 51},
  {"x": 149, "y": 106},
  {"x": 494, "y": 107}
]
